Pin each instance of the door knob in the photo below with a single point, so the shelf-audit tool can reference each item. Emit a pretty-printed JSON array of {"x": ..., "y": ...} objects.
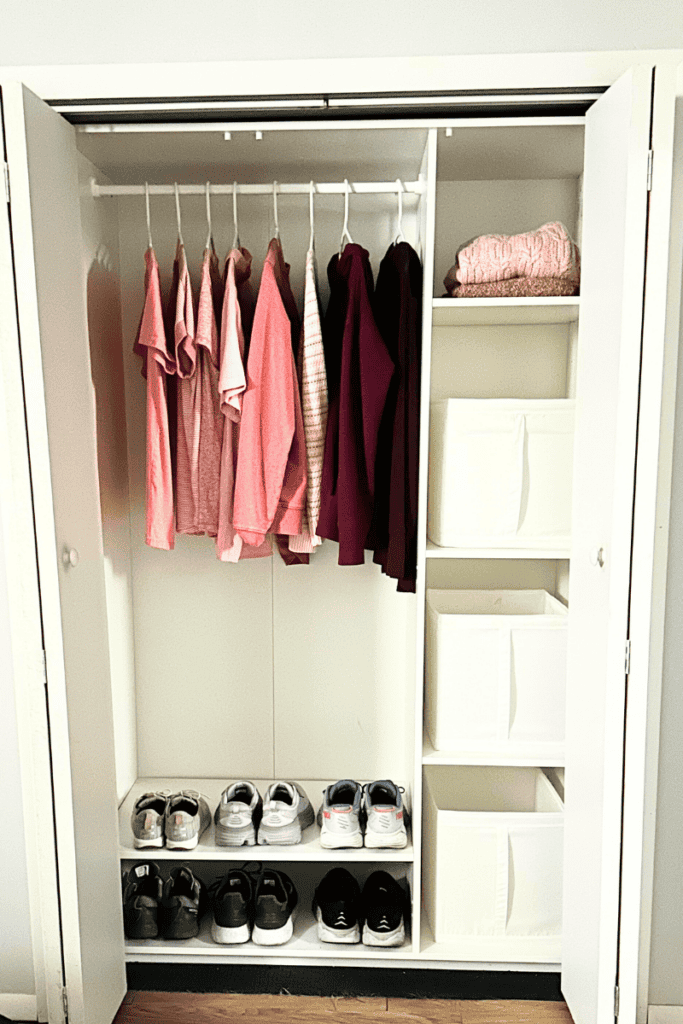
[
  {"x": 70, "y": 557},
  {"x": 597, "y": 556}
]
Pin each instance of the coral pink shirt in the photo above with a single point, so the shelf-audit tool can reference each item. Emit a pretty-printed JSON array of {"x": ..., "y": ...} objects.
[
  {"x": 157, "y": 362},
  {"x": 270, "y": 483},
  {"x": 231, "y": 386}
]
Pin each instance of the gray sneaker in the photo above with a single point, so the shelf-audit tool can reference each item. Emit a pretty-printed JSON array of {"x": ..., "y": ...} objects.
[
  {"x": 147, "y": 819},
  {"x": 238, "y": 814},
  {"x": 187, "y": 816},
  {"x": 385, "y": 816},
  {"x": 340, "y": 816},
  {"x": 287, "y": 812}
]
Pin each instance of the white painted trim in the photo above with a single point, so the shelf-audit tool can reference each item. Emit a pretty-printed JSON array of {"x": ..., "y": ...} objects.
[
  {"x": 27, "y": 653},
  {"x": 650, "y": 553},
  {"x": 17, "y": 1006},
  {"x": 665, "y": 1015},
  {"x": 368, "y": 74}
]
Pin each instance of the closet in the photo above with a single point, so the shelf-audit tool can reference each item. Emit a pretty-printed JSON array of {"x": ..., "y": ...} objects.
[{"x": 174, "y": 670}]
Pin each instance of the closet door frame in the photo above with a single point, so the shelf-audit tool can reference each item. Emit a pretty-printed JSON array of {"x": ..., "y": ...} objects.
[{"x": 575, "y": 70}]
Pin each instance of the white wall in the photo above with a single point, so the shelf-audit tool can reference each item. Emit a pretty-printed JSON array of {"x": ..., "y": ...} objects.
[
  {"x": 16, "y": 958},
  {"x": 92, "y": 32}
]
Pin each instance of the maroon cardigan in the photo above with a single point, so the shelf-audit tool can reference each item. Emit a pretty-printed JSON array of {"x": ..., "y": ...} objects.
[{"x": 359, "y": 371}]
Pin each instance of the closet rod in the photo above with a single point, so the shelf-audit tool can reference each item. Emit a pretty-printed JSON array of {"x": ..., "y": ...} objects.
[{"x": 321, "y": 188}]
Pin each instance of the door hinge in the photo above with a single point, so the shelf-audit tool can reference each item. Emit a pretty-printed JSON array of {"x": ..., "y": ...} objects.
[
  {"x": 616, "y": 1001},
  {"x": 627, "y": 658},
  {"x": 65, "y": 1004},
  {"x": 650, "y": 159},
  {"x": 5, "y": 168},
  {"x": 44, "y": 667}
]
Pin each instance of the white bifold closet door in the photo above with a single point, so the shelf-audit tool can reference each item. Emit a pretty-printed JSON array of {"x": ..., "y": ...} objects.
[
  {"x": 610, "y": 326},
  {"x": 60, "y": 412}
]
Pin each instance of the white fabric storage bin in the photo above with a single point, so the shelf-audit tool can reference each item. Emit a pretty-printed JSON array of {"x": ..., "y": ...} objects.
[
  {"x": 493, "y": 852},
  {"x": 496, "y": 670},
  {"x": 500, "y": 472}
]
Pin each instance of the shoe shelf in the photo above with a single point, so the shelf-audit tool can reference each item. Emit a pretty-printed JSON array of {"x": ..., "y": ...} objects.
[
  {"x": 535, "y": 952},
  {"x": 304, "y": 943},
  {"x": 520, "y": 552},
  {"x": 309, "y": 849},
  {"x": 481, "y": 312},
  {"x": 550, "y": 755}
]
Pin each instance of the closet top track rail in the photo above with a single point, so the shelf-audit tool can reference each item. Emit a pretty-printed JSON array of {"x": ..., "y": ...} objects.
[{"x": 283, "y": 188}]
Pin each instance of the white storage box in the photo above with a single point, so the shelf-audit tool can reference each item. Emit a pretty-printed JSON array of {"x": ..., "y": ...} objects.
[
  {"x": 493, "y": 853},
  {"x": 496, "y": 671},
  {"x": 500, "y": 472}
]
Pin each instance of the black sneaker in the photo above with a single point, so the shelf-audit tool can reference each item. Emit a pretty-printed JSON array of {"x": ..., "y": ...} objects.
[
  {"x": 384, "y": 909},
  {"x": 336, "y": 905},
  {"x": 142, "y": 891},
  {"x": 183, "y": 904},
  {"x": 232, "y": 902},
  {"x": 275, "y": 904}
]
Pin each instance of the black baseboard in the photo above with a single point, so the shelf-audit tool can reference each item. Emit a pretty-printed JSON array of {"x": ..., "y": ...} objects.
[{"x": 416, "y": 983}]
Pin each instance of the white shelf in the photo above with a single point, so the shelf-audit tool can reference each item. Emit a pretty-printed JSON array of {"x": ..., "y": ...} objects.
[
  {"x": 499, "y": 949},
  {"x": 304, "y": 943},
  {"x": 480, "y": 312},
  {"x": 545, "y": 755},
  {"x": 309, "y": 849},
  {"x": 556, "y": 551}
]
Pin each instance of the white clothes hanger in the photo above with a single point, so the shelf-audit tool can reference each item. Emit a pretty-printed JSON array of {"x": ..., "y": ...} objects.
[
  {"x": 345, "y": 230},
  {"x": 236, "y": 235},
  {"x": 311, "y": 241},
  {"x": 209, "y": 229},
  {"x": 149, "y": 220},
  {"x": 400, "y": 237},
  {"x": 275, "y": 217},
  {"x": 177, "y": 213}
]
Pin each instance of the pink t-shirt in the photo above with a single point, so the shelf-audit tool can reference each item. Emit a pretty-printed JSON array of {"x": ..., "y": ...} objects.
[
  {"x": 188, "y": 402},
  {"x": 210, "y": 415},
  {"x": 270, "y": 482},
  {"x": 232, "y": 383},
  {"x": 157, "y": 362}
]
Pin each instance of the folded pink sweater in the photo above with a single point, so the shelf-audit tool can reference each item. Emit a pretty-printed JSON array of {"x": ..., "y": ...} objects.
[{"x": 547, "y": 252}]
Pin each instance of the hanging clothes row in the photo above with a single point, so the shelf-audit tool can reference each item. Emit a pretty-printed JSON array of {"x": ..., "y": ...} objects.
[{"x": 273, "y": 425}]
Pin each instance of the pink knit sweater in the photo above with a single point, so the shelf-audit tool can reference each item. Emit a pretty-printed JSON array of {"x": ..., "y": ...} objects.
[{"x": 547, "y": 252}]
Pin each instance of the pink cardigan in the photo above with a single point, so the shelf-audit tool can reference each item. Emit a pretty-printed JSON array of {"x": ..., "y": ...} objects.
[{"x": 270, "y": 482}]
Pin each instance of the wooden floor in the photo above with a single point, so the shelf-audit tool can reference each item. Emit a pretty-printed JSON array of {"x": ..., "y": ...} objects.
[{"x": 212, "y": 1008}]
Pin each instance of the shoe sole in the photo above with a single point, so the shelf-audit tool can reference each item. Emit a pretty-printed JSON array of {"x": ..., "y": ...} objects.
[
  {"x": 182, "y": 844},
  {"x": 274, "y": 936},
  {"x": 235, "y": 836},
  {"x": 229, "y": 936},
  {"x": 337, "y": 841},
  {"x": 141, "y": 844},
  {"x": 327, "y": 934},
  {"x": 386, "y": 841},
  {"x": 395, "y": 938}
]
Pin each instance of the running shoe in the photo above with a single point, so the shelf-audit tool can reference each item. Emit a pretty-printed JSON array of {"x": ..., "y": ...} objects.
[
  {"x": 142, "y": 892},
  {"x": 147, "y": 819},
  {"x": 385, "y": 816},
  {"x": 238, "y": 815},
  {"x": 274, "y": 908},
  {"x": 184, "y": 901},
  {"x": 187, "y": 817},
  {"x": 340, "y": 816},
  {"x": 232, "y": 902},
  {"x": 336, "y": 905},
  {"x": 384, "y": 906},
  {"x": 287, "y": 812}
]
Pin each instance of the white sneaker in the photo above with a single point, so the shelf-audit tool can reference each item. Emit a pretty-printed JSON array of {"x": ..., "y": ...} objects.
[
  {"x": 287, "y": 812},
  {"x": 385, "y": 816},
  {"x": 238, "y": 814}
]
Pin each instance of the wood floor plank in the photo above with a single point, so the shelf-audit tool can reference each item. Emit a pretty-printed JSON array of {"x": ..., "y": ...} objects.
[
  {"x": 424, "y": 1011},
  {"x": 514, "y": 1011},
  {"x": 368, "y": 1005}
]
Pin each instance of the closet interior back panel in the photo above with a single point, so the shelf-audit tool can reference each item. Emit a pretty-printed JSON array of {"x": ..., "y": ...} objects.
[{"x": 252, "y": 670}]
